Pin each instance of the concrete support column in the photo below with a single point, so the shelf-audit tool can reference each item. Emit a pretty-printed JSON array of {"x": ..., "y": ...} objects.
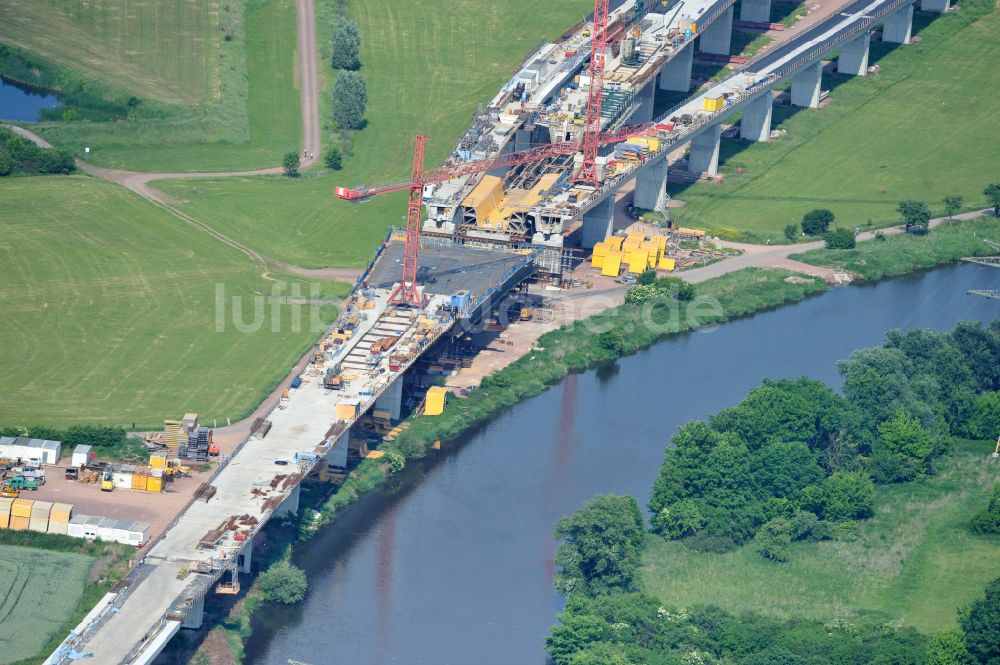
[
  {"x": 756, "y": 11},
  {"x": 704, "y": 156},
  {"x": 936, "y": 6},
  {"x": 647, "y": 98},
  {"x": 756, "y": 122},
  {"x": 196, "y": 615},
  {"x": 245, "y": 558},
  {"x": 338, "y": 453},
  {"x": 717, "y": 38},
  {"x": 853, "y": 58},
  {"x": 392, "y": 399},
  {"x": 806, "y": 85},
  {"x": 598, "y": 222},
  {"x": 290, "y": 506},
  {"x": 651, "y": 187},
  {"x": 676, "y": 74},
  {"x": 897, "y": 26}
]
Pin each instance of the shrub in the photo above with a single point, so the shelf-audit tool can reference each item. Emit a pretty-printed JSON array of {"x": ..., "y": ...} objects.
[
  {"x": 290, "y": 163},
  {"x": 283, "y": 583},
  {"x": 774, "y": 538},
  {"x": 840, "y": 239},
  {"x": 816, "y": 222},
  {"x": 647, "y": 277},
  {"x": 988, "y": 520},
  {"x": 791, "y": 232},
  {"x": 333, "y": 159}
]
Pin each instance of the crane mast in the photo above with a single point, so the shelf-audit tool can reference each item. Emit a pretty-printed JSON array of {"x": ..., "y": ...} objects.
[{"x": 592, "y": 126}]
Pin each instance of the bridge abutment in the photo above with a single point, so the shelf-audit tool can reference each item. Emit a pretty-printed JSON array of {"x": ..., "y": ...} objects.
[
  {"x": 676, "y": 74},
  {"x": 598, "y": 222},
  {"x": 756, "y": 122},
  {"x": 853, "y": 58},
  {"x": 806, "y": 85},
  {"x": 898, "y": 26},
  {"x": 717, "y": 38},
  {"x": 756, "y": 11},
  {"x": 651, "y": 187},
  {"x": 704, "y": 155}
]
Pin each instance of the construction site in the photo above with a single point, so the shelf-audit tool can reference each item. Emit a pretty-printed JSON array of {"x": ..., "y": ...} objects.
[{"x": 529, "y": 189}]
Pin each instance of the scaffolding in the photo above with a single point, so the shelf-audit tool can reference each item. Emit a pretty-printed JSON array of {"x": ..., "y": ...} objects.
[{"x": 990, "y": 261}]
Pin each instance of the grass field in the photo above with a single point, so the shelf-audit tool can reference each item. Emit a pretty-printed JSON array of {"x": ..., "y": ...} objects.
[
  {"x": 112, "y": 313},
  {"x": 158, "y": 49},
  {"x": 248, "y": 118},
  {"x": 900, "y": 254},
  {"x": 913, "y": 563},
  {"x": 924, "y": 127},
  {"x": 39, "y": 592},
  {"x": 427, "y": 65}
]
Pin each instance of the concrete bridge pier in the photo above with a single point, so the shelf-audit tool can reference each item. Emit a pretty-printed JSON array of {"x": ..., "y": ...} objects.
[
  {"x": 756, "y": 122},
  {"x": 717, "y": 38},
  {"x": 598, "y": 223},
  {"x": 853, "y": 58},
  {"x": 196, "y": 615},
  {"x": 290, "y": 506},
  {"x": 647, "y": 98},
  {"x": 936, "y": 6},
  {"x": 756, "y": 11},
  {"x": 806, "y": 85},
  {"x": 676, "y": 74},
  {"x": 898, "y": 26},
  {"x": 704, "y": 155},
  {"x": 245, "y": 558},
  {"x": 651, "y": 187},
  {"x": 392, "y": 399}
]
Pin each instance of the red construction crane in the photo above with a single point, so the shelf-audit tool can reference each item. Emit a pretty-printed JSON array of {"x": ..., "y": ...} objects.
[
  {"x": 592, "y": 126},
  {"x": 407, "y": 293}
]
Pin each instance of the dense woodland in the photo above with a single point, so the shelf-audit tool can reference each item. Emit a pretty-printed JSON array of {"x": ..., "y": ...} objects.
[{"x": 795, "y": 460}]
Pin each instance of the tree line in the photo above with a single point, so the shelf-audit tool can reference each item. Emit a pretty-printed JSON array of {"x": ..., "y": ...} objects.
[
  {"x": 795, "y": 460},
  {"x": 21, "y": 156}
]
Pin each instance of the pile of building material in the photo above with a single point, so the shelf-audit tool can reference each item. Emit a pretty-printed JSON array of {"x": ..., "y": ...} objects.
[{"x": 184, "y": 438}]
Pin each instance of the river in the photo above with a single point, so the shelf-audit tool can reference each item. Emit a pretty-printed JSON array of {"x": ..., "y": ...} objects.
[
  {"x": 23, "y": 104},
  {"x": 453, "y": 565}
]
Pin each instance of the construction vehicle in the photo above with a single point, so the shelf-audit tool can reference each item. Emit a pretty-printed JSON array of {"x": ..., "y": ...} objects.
[
  {"x": 72, "y": 473},
  {"x": 171, "y": 467},
  {"x": 22, "y": 483},
  {"x": 996, "y": 451},
  {"x": 107, "y": 481},
  {"x": 8, "y": 492},
  {"x": 333, "y": 380}
]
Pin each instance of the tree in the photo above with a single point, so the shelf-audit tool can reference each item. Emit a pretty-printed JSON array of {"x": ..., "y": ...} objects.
[
  {"x": 816, "y": 222},
  {"x": 333, "y": 158},
  {"x": 947, "y": 648},
  {"x": 284, "y": 583},
  {"x": 992, "y": 193},
  {"x": 953, "y": 204},
  {"x": 984, "y": 421},
  {"x": 774, "y": 538},
  {"x": 574, "y": 632},
  {"x": 987, "y": 521},
  {"x": 783, "y": 470},
  {"x": 346, "y": 44},
  {"x": 350, "y": 97},
  {"x": 291, "y": 164},
  {"x": 603, "y": 543},
  {"x": 612, "y": 340},
  {"x": 848, "y": 496},
  {"x": 904, "y": 435},
  {"x": 791, "y": 232},
  {"x": 982, "y": 626},
  {"x": 915, "y": 214},
  {"x": 840, "y": 239},
  {"x": 678, "y": 520}
]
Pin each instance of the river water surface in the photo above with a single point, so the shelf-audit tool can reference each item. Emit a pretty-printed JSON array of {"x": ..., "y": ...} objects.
[{"x": 454, "y": 564}]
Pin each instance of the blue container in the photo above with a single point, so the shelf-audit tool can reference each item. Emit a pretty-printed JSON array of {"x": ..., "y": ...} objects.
[{"x": 296, "y": 382}]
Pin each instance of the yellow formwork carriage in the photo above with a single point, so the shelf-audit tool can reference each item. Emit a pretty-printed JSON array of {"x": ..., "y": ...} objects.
[
  {"x": 661, "y": 242},
  {"x": 614, "y": 243},
  {"x": 667, "y": 263},
  {"x": 612, "y": 264},
  {"x": 637, "y": 261},
  {"x": 597, "y": 261},
  {"x": 600, "y": 249}
]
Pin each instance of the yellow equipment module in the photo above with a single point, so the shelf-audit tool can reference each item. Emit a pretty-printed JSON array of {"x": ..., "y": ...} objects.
[
  {"x": 612, "y": 264},
  {"x": 714, "y": 104},
  {"x": 637, "y": 261},
  {"x": 667, "y": 264},
  {"x": 435, "y": 400}
]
